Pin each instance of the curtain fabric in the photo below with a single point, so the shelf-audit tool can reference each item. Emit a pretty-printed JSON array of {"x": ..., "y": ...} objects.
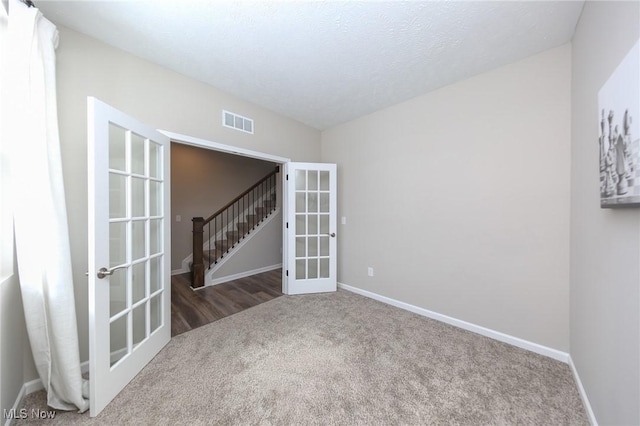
[{"x": 40, "y": 216}]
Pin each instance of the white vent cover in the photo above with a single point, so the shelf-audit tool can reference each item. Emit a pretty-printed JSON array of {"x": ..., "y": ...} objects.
[{"x": 238, "y": 122}]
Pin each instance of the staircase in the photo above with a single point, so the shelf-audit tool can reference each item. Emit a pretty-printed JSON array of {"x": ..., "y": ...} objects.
[{"x": 227, "y": 227}]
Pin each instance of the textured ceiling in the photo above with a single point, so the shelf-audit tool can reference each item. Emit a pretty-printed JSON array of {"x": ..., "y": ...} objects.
[{"x": 324, "y": 63}]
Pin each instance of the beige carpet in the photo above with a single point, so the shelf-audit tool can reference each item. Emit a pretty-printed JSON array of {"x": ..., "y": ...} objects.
[{"x": 339, "y": 359}]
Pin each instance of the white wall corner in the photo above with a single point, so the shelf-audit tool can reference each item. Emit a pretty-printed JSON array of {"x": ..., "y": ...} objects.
[
  {"x": 487, "y": 332},
  {"x": 35, "y": 386},
  {"x": 583, "y": 394},
  {"x": 27, "y": 388}
]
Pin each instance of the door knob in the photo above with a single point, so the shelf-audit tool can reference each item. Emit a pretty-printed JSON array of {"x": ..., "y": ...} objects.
[
  {"x": 332, "y": 235},
  {"x": 103, "y": 272}
]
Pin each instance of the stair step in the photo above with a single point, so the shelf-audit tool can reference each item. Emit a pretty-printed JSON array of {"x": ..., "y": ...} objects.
[
  {"x": 269, "y": 204},
  {"x": 243, "y": 227},
  {"x": 223, "y": 245},
  {"x": 234, "y": 236},
  {"x": 260, "y": 212},
  {"x": 211, "y": 256}
]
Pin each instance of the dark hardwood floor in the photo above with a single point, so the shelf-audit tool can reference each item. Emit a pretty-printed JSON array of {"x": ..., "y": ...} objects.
[{"x": 194, "y": 308}]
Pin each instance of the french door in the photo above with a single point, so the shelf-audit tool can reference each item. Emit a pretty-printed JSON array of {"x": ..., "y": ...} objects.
[
  {"x": 310, "y": 229},
  {"x": 129, "y": 249}
]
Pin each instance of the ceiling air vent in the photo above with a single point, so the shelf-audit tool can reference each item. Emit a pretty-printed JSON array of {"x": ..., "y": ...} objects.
[{"x": 238, "y": 122}]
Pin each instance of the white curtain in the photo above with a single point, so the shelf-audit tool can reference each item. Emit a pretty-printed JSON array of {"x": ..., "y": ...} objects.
[{"x": 40, "y": 216}]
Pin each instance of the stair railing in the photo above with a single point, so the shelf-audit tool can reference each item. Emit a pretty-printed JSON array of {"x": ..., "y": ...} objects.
[{"x": 234, "y": 221}]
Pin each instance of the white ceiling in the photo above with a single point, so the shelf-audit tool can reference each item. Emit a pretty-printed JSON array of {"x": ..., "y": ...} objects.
[{"x": 324, "y": 63}]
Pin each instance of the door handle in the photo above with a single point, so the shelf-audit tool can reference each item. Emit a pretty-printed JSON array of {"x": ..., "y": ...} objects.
[
  {"x": 332, "y": 235},
  {"x": 103, "y": 272}
]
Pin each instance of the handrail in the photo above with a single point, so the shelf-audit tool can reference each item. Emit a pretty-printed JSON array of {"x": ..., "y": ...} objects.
[
  {"x": 230, "y": 203},
  {"x": 234, "y": 212}
]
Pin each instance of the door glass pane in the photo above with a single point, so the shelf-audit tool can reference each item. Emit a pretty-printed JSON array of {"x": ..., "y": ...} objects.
[
  {"x": 155, "y": 166},
  {"x": 313, "y": 180},
  {"x": 117, "y": 196},
  {"x": 139, "y": 324},
  {"x": 300, "y": 247},
  {"x": 137, "y": 239},
  {"x": 312, "y": 247},
  {"x": 324, "y": 180},
  {"x": 138, "y": 285},
  {"x": 313, "y": 224},
  {"x": 118, "y": 339},
  {"x": 117, "y": 243},
  {"x": 137, "y": 197},
  {"x": 313, "y": 268},
  {"x": 324, "y": 268},
  {"x": 155, "y": 198},
  {"x": 324, "y": 224},
  {"x": 324, "y": 202},
  {"x": 155, "y": 274},
  {"x": 137, "y": 154},
  {"x": 300, "y": 202},
  {"x": 301, "y": 270},
  {"x": 300, "y": 225},
  {"x": 313, "y": 202},
  {"x": 117, "y": 291},
  {"x": 155, "y": 313},
  {"x": 117, "y": 147},
  {"x": 155, "y": 229},
  {"x": 300, "y": 180},
  {"x": 324, "y": 246}
]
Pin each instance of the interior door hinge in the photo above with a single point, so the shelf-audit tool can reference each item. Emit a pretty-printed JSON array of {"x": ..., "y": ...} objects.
[
  {"x": 287, "y": 177},
  {"x": 287, "y": 225},
  {"x": 287, "y": 272}
]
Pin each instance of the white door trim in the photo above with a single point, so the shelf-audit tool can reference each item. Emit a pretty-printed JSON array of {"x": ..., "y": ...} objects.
[{"x": 203, "y": 143}]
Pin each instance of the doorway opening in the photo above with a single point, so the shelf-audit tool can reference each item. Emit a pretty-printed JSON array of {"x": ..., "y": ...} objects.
[{"x": 201, "y": 170}]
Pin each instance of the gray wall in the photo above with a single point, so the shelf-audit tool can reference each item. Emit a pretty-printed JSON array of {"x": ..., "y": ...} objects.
[
  {"x": 202, "y": 181},
  {"x": 160, "y": 98},
  {"x": 605, "y": 281},
  {"x": 459, "y": 199}
]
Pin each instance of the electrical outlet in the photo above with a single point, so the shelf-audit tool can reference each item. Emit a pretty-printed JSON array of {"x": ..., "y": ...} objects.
[
  {"x": 344, "y": 220},
  {"x": 370, "y": 271},
  {"x": 178, "y": 218}
]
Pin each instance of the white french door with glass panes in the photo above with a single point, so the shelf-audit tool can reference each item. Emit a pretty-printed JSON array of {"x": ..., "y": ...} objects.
[
  {"x": 129, "y": 249},
  {"x": 310, "y": 228}
]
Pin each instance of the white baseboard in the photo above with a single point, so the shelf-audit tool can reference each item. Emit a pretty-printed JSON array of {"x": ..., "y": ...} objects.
[
  {"x": 26, "y": 389},
  {"x": 502, "y": 337},
  {"x": 179, "y": 271},
  {"x": 32, "y": 386},
  {"x": 583, "y": 394},
  {"x": 239, "y": 275},
  {"x": 35, "y": 386}
]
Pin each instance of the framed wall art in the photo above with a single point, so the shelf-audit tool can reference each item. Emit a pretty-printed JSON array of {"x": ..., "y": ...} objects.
[{"x": 619, "y": 129}]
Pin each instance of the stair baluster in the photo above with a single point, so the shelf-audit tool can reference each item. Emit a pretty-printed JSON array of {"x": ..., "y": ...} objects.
[{"x": 239, "y": 222}]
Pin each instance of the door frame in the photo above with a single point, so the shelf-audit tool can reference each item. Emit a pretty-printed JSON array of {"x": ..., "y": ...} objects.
[{"x": 243, "y": 152}]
